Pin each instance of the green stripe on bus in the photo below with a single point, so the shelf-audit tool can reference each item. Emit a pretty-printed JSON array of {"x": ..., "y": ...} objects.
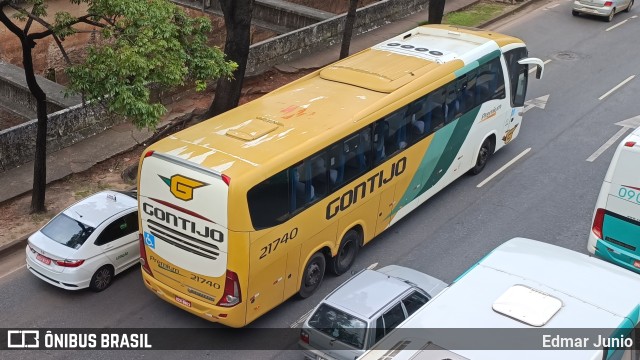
[{"x": 438, "y": 157}]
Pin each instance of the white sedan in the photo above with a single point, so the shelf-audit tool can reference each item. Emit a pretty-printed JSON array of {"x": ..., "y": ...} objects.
[{"x": 88, "y": 243}]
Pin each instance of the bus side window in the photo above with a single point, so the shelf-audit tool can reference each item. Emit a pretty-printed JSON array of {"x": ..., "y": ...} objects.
[
  {"x": 437, "y": 107},
  {"x": 485, "y": 84},
  {"x": 499, "y": 92},
  {"x": 336, "y": 166},
  {"x": 419, "y": 119},
  {"x": 380, "y": 133},
  {"x": 269, "y": 201},
  {"x": 357, "y": 152},
  {"x": 302, "y": 189},
  {"x": 319, "y": 174},
  {"x": 452, "y": 106},
  {"x": 470, "y": 91},
  {"x": 397, "y": 137}
]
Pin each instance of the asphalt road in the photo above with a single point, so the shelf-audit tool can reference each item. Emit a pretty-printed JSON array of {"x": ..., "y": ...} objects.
[{"x": 548, "y": 194}]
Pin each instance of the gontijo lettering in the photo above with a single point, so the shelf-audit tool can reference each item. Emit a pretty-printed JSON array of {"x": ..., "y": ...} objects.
[
  {"x": 360, "y": 191},
  {"x": 182, "y": 223}
]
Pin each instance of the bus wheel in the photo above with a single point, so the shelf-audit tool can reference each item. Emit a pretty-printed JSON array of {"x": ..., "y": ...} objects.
[
  {"x": 346, "y": 253},
  {"x": 313, "y": 275},
  {"x": 483, "y": 157}
]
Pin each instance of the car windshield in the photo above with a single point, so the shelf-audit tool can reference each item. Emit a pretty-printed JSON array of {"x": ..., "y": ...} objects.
[
  {"x": 339, "y": 325},
  {"x": 67, "y": 231}
]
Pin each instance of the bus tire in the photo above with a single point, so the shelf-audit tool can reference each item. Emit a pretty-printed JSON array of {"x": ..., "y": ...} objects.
[
  {"x": 347, "y": 252},
  {"x": 483, "y": 156},
  {"x": 313, "y": 275}
]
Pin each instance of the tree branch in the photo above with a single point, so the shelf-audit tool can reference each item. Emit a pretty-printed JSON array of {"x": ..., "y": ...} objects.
[{"x": 64, "y": 53}]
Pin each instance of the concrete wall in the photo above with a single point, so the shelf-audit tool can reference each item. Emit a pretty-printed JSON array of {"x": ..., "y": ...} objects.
[
  {"x": 304, "y": 41},
  {"x": 65, "y": 127},
  {"x": 16, "y": 96}
]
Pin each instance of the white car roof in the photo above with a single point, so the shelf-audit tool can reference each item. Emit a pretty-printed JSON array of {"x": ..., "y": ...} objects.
[{"x": 99, "y": 207}]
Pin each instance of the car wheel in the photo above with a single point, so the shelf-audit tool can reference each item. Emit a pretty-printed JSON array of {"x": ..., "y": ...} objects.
[
  {"x": 313, "y": 275},
  {"x": 610, "y": 17},
  {"x": 483, "y": 157},
  {"x": 574, "y": 13},
  {"x": 102, "y": 278},
  {"x": 347, "y": 252},
  {"x": 629, "y": 6}
]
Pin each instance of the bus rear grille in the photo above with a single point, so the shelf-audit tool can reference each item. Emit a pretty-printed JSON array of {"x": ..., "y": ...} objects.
[
  {"x": 183, "y": 241},
  {"x": 620, "y": 243}
]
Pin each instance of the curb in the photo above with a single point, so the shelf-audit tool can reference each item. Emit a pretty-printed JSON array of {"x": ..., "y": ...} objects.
[{"x": 13, "y": 245}]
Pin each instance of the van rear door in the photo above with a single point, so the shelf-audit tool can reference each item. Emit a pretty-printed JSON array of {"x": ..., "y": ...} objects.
[{"x": 621, "y": 225}]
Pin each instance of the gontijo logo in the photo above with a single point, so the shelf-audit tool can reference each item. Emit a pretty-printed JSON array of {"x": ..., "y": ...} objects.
[{"x": 181, "y": 186}]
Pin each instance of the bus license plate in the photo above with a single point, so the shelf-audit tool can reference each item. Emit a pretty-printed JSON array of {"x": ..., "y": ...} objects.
[
  {"x": 182, "y": 301},
  {"x": 43, "y": 259}
]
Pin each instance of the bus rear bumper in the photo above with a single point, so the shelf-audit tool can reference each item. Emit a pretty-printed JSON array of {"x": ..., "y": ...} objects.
[
  {"x": 614, "y": 254},
  {"x": 233, "y": 317}
]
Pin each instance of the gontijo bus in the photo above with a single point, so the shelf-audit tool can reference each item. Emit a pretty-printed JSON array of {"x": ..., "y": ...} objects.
[
  {"x": 525, "y": 300},
  {"x": 242, "y": 211}
]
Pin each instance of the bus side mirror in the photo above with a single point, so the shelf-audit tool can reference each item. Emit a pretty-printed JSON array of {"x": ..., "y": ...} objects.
[{"x": 534, "y": 61}]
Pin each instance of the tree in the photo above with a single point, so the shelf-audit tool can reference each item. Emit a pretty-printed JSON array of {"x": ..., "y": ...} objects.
[
  {"x": 436, "y": 11},
  {"x": 348, "y": 28},
  {"x": 151, "y": 42},
  {"x": 237, "y": 22}
]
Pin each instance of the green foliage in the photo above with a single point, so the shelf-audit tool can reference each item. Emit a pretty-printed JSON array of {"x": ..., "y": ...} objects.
[
  {"x": 146, "y": 43},
  {"x": 475, "y": 15}
]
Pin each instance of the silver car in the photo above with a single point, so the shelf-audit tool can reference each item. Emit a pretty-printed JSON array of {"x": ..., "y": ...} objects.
[
  {"x": 363, "y": 310},
  {"x": 606, "y": 8}
]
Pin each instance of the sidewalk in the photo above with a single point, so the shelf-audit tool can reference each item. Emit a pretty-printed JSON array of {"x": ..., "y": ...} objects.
[{"x": 83, "y": 155}]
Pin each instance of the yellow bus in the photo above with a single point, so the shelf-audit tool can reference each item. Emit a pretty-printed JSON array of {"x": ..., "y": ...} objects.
[{"x": 244, "y": 210}]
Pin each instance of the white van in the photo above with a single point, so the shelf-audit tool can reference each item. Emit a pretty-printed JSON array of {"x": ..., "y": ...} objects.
[
  {"x": 526, "y": 300},
  {"x": 615, "y": 230}
]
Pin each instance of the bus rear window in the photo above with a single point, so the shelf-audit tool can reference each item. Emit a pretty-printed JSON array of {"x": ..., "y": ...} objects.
[{"x": 269, "y": 201}]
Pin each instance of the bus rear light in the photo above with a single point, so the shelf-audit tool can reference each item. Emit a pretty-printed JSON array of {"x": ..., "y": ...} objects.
[
  {"x": 304, "y": 336},
  {"x": 598, "y": 220},
  {"x": 608, "y": 3},
  {"x": 630, "y": 144},
  {"x": 143, "y": 255},
  {"x": 149, "y": 153},
  {"x": 231, "y": 296},
  {"x": 226, "y": 179}
]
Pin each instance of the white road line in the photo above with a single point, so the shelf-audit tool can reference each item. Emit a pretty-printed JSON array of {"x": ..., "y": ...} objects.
[
  {"x": 301, "y": 319},
  {"x": 617, "y": 87},
  {"x": 606, "y": 145},
  {"x": 551, "y": 7},
  {"x": 504, "y": 167},
  {"x": 534, "y": 68},
  {"x": 12, "y": 271},
  {"x": 616, "y": 25}
]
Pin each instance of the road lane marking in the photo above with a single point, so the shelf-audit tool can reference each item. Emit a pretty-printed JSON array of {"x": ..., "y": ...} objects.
[
  {"x": 504, "y": 167},
  {"x": 616, "y": 25},
  {"x": 301, "y": 319},
  {"x": 12, "y": 271},
  {"x": 617, "y": 87},
  {"x": 551, "y": 7},
  {"x": 606, "y": 145},
  {"x": 534, "y": 68}
]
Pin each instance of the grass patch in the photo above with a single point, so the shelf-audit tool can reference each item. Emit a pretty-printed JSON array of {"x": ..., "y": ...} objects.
[{"x": 475, "y": 15}]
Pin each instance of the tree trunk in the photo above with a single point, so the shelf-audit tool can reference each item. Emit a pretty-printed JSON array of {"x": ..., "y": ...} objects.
[
  {"x": 237, "y": 20},
  {"x": 436, "y": 11},
  {"x": 348, "y": 28},
  {"x": 40, "y": 161}
]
